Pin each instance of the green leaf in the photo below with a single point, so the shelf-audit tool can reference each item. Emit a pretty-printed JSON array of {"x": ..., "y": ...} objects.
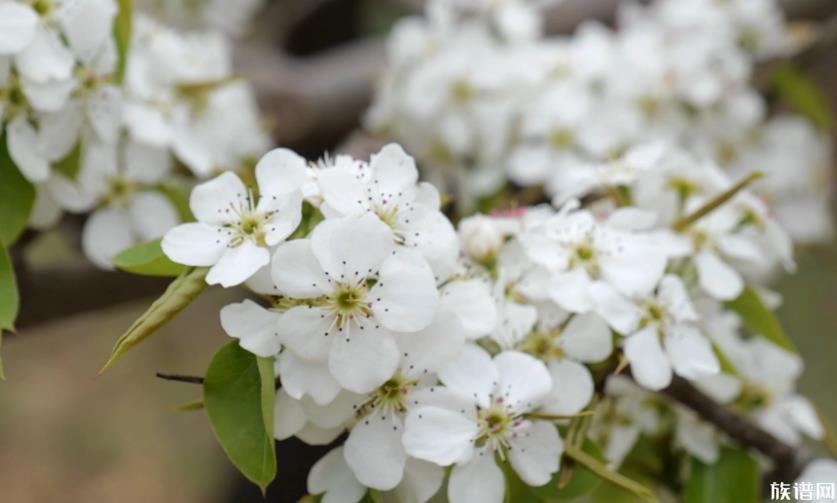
[
  {"x": 180, "y": 293},
  {"x": 17, "y": 197},
  {"x": 759, "y": 319},
  {"x": 803, "y": 94},
  {"x": 70, "y": 165},
  {"x": 122, "y": 37},
  {"x": 178, "y": 194},
  {"x": 582, "y": 479},
  {"x": 734, "y": 478},
  {"x": 311, "y": 216},
  {"x": 236, "y": 403},
  {"x": 147, "y": 259},
  {"x": 9, "y": 298}
]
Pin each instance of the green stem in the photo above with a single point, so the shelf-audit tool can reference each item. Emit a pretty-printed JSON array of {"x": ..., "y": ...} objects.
[
  {"x": 581, "y": 457},
  {"x": 684, "y": 223}
]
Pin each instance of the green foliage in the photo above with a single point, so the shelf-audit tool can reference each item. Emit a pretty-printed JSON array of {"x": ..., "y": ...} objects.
[
  {"x": 573, "y": 480},
  {"x": 17, "y": 197},
  {"x": 734, "y": 478},
  {"x": 122, "y": 36},
  {"x": 147, "y": 259},
  {"x": 9, "y": 298},
  {"x": 70, "y": 165},
  {"x": 759, "y": 319},
  {"x": 311, "y": 216},
  {"x": 238, "y": 396},
  {"x": 180, "y": 293},
  {"x": 178, "y": 194},
  {"x": 803, "y": 94},
  {"x": 594, "y": 465}
]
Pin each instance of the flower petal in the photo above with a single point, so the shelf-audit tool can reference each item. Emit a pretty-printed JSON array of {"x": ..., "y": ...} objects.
[
  {"x": 17, "y": 26},
  {"x": 439, "y": 435},
  {"x": 302, "y": 377},
  {"x": 393, "y": 171},
  {"x": 374, "y": 451},
  {"x": 649, "y": 364},
  {"x": 353, "y": 247},
  {"x": 363, "y": 359},
  {"x": 471, "y": 375},
  {"x": 152, "y": 215},
  {"x": 288, "y": 417},
  {"x": 405, "y": 297},
  {"x": 342, "y": 191},
  {"x": 536, "y": 454},
  {"x": 690, "y": 352},
  {"x": 286, "y": 215},
  {"x": 523, "y": 380},
  {"x": 194, "y": 244},
  {"x": 22, "y": 141},
  {"x": 45, "y": 58},
  {"x": 332, "y": 476},
  {"x": 587, "y": 338},
  {"x": 472, "y": 303},
  {"x": 478, "y": 480},
  {"x": 296, "y": 271},
  {"x": 421, "y": 481},
  {"x": 280, "y": 172},
  {"x": 307, "y": 331},
  {"x": 572, "y": 387},
  {"x": 237, "y": 264},
  {"x": 716, "y": 277},
  {"x": 620, "y": 313},
  {"x": 570, "y": 290},
  {"x": 253, "y": 325},
  {"x": 427, "y": 350},
  {"x": 215, "y": 201},
  {"x": 106, "y": 233}
]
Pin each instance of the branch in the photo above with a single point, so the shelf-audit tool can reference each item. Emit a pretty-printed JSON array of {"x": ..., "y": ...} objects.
[{"x": 789, "y": 461}]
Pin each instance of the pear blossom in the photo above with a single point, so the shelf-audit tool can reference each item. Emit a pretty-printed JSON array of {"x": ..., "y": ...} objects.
[
  {"x": 481, "y": 412},
  {"x": 348, "y": 281},
  {"x": 234, "y": 227},
  {"x": 660, "y": 332}
]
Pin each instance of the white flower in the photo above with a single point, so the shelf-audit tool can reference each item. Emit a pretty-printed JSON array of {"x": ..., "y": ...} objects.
[
  {"x": 482, "y": 411},
  {"x": 391, "y": 193},
  {"x": 660, "y": 333},
  {"x": 117, "y": 181},
  {"x": 354, "y": 289},
  {"x": 331, "y": 477},
  {"x": 253, "y": 325},
  {"x": 234, "y": 230},
  {"x": 819, "y": 472}
]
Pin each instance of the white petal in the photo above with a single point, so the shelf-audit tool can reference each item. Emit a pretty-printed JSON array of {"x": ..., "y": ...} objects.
[
  {"x": 353, "y": 247},
  {"x": 50, "y": 95},
  {"x": 152, "y": 214},
  {"x": 87, "y": 24},
  {"x": 439, "y": 435},
  {"x": 572, "y": 387},
  {"x": 332, "y": 476},
  {"x": 253, "y": 325},
  {"x": 374, "y": 451},
  {"x": 288, "y": 417},
  {"x": 215, "y": 201},
  {"x": 393, "y": 170},
  {"x": 17, "y": 26},
  {"x": 305, "y": 330},
  {"x": 362, "y": 360},
  {"x": 672, "y": 292},
  {"x": 106, "y": 233},
  {"x": 804, "y": 417},
  {"x": 104, "y": 111},
  {"x": 536, "y": 454},
  {"x": 286, "y": 215},
  {"x": 430, "y": 232},
  {"x": 570, "y": 290},
  {"x": 46, "y": 211},
  {"x": 429, "y": 349},
  {"x": 471, "y": 375},
  {"x": 301, "y": 377},
  {"x": 478, "y": 480},
  {"x": 649, "y": 364},
  {"x": 587, "y": 338},
  {"x": 405, "y": 297},
  {"x": 421, "y": 481},
  {"x": 296, "y": 271},
  {"x": 59, "y": 131},
  {"x": 523, "y": 381},
  {"x": 45, "y": 58},
  {"x": 146, "y": 163},
  {"x": 690, "y": 352},
  {"x": 472, "y": 303},
  {"x": 635, "y": 266},
  {"x": 342, "y": 191},
  {"x": 237, "y": 264},
  {"x": 22, "y": 141},
  {"x": 194, "y": 244},
  {"x": 632, "y": 219},
  {"x": 314, "y": 435},
  {"x": 334, "y": 414},
  {"x": 280, "y": 172},
  {"x": 698, "y": 438},
  {"x": 716, "y": 277},
  {"x": 622, "y": 314}
]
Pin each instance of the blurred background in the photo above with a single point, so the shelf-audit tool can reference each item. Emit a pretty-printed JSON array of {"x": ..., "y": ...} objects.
[{"x": 67, "y": 435}]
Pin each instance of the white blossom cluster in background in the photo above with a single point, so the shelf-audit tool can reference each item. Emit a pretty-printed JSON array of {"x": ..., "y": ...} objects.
[
  {"x": 95, "y": 142},
  {"x": 436, "y": 348},
  {"x": 231, "y": 17},
  {"x": 480, "y": 96}
]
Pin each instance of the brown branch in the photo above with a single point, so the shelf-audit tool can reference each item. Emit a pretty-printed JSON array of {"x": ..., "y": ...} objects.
[
  {"x": 180, "y": 378},
  {"x": 789, "y": 461}
]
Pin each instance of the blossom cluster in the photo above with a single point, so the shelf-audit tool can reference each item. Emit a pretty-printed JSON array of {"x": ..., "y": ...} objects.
[
  {"x": 100, "y": 129},
  {"x": 473, "y": 347},
  {"x": 482, "y": 96}
]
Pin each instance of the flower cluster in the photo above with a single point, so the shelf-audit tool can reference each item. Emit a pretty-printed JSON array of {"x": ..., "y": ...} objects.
[
  {"x": 474, "y": 348},
  {"x": 97, "y": 127},
  {"x": 480, "y": 96}
]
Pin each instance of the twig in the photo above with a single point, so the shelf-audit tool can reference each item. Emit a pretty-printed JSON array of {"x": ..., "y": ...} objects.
[{"x": 180, "y": 378}]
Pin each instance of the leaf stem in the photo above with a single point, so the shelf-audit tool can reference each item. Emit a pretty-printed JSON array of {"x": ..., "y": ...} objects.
[
  {"x": 581, "y": 457},
  {"x": 716, "y": 202}
]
